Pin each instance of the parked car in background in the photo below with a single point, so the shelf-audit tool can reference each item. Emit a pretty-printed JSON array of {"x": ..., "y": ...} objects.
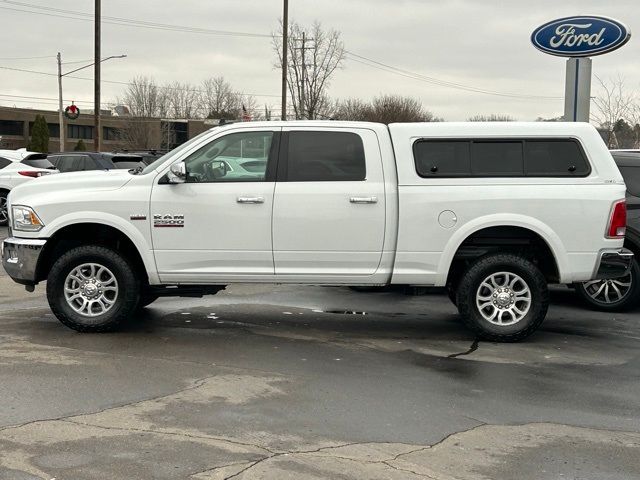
[
  {"x": 147, "y": 156},
  {"x": 16, "y": 167},
  {"x": 85, "y": 161},
  {"x": 621, "y": 293}
]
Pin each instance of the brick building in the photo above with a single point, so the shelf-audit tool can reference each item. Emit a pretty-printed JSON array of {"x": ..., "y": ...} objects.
[{"x": 162, "y": 134}]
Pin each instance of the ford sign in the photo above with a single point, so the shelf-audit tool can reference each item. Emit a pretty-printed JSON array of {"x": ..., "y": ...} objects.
[{"x": 581, "y": 36}]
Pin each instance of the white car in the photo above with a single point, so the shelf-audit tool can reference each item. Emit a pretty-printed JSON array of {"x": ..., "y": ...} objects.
[
  {"x": 493, "y": 211},
  {"x": 17, "y": 167}
]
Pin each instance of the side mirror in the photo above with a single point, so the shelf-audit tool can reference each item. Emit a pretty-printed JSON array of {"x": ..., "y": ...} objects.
[{"x": 177, "y": 173}]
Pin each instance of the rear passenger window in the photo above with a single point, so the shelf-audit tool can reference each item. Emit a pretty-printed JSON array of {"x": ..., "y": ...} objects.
[
  {"x": 325, "y": 157},
  {"x": 4, "y": 162},
  {"x": 500, "y": 158},
  {"x": 442, "y": 158},
  {"x": 555, "y": 158},
  {"x": 492, "y": 159}
]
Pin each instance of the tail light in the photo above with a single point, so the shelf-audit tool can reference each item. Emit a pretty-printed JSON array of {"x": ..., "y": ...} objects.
[
  {"x": 33, "y": 173},
  {"x": 618, "y": 220}
]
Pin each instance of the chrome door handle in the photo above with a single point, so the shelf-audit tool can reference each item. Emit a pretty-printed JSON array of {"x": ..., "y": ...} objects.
[
  {"x": 363, "y": 199},
  {"x": 250, "y": 200}
]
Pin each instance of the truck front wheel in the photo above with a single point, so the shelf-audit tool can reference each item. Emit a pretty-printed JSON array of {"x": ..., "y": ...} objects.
[
  {"x": 92, "y": 289},
  {"x": 503, "y": 297}
]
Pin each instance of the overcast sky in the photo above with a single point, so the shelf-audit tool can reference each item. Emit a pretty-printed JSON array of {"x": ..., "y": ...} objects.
[{"x": 480, "y": 43}]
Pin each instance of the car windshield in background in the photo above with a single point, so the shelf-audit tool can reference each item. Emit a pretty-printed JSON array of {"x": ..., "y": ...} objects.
[
  {"x": 38, "y": 163},
  {"x": 153, "y": 165},
  {"x": 127, "y": 164}
]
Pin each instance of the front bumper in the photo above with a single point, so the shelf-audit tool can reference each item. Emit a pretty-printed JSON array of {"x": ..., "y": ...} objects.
[
  {"x": 613, "y": 264},
  {"x": 20, "y": 258}
]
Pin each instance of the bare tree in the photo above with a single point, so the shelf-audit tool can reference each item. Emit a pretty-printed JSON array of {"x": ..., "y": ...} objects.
[
  {"x": 385, "y": 109},
  {"x": 492, "y": 117},
  {"x": 219, "y": 100},
  {"x": 313, "y": 58},
  {"x": 183, "y": 100},
  {"x": 613, "y": 103},
  {"x": 145, "y": 100}
]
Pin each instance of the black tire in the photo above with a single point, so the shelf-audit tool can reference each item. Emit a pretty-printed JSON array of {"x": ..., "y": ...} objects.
[
  {"x": 125, "y": 300},
  {"x": 470, "y": 285},
  {"x": 4, "y": 214},
  {"x": 630, "y": 299}
]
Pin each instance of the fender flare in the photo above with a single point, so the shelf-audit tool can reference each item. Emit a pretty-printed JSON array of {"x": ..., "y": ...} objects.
[
  {"x": 113, "y": 221},
  {"x": 552, "y": 240}
]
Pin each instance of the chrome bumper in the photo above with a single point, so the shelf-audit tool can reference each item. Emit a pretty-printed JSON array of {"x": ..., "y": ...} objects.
[
  {"x": 613, "y": 264},
  {"x": 20, "y": 258}
]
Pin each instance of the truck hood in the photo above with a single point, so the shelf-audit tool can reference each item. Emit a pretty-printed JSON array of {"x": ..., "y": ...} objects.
[{"x": 96, "y": 180}]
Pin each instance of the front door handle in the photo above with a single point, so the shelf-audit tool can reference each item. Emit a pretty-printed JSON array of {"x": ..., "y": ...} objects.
[
  {"x": 363, "y": 199},
  {"x": 250, "y": 200}
]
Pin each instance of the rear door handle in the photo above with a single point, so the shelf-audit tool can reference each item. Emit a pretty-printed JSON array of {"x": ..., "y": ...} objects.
[
  {"x": 250, "y": 200},
  {"x": 363, "y": 199}
]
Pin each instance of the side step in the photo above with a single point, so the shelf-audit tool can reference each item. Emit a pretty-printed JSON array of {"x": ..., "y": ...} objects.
[{"x": 195, "y": 291}]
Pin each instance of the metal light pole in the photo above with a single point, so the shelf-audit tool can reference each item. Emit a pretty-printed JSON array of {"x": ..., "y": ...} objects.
[
  {"x": 96, "y": 80},
  {"x": 285, "y": 47},
  {"x": 60, "y": 75}
]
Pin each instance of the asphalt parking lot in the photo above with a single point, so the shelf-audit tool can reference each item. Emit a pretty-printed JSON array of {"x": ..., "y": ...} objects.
[{"x": 289, "y": 383}]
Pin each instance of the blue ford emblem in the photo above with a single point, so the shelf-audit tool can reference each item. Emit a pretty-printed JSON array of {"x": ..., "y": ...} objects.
[{"x": 581, "y": 36}]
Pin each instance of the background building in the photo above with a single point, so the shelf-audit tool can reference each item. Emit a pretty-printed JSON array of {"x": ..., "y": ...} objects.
[{"x": 118, "y": 132}]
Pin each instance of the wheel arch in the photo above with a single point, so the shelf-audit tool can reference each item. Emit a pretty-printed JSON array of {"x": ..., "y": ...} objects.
[
  {"x": 506, "y": 227},
  {"x": 92, "y": 233}
]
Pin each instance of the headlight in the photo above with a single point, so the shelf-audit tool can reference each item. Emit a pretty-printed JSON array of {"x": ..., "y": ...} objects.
[{"x": 25, "y": 219}]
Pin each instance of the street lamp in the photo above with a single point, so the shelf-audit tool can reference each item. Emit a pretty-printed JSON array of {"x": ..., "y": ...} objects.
[{"x": 60, "y": 75}]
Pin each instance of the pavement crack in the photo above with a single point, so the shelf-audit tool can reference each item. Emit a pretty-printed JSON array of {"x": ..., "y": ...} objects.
[
  {"x": 472, "y": 348},
  {"x": 176, "y": 434},
  {"x": 386, "y": 462}
]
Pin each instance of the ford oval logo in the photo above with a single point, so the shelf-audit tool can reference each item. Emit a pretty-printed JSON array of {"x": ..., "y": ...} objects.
[{"x": 581, "y": 36}]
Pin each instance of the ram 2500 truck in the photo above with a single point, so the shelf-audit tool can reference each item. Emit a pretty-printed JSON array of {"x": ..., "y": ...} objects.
[{"x": 492, "y": 211}]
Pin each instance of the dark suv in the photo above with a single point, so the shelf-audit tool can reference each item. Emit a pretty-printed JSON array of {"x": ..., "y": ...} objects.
[
  {"x": 621, "y": 293},
  {"x": 82, "y": 161}
]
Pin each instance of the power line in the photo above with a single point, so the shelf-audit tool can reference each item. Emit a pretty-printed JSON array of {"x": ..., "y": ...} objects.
[
  {"x": 435, "y": 81},
  {"x": 27, "y": 58},
  {"x": 116, "y": 82},
  {"x": 85, "y": 16}
]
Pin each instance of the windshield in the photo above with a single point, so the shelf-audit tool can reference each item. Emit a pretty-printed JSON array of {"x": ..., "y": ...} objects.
[{"x": 152, "y": 166}]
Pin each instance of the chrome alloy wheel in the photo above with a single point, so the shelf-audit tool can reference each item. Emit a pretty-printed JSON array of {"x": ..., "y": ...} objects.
[
  {"x": 91, "y": 289},
  {"x": 608, "y": 291},
  {"x": 503, "y": 298},
  {"x": 4, "y": 214}
]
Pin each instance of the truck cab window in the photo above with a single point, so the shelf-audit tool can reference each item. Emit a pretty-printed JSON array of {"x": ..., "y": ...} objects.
[
  {"x": 325, "y": 157},
  {"x": 237, "y": 157}
]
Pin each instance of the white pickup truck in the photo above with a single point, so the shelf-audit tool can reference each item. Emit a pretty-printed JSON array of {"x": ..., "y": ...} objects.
[{"x": 493, "y": 211}]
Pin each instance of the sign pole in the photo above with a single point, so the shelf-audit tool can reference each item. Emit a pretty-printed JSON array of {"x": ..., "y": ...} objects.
[{"x": 577, "y": 90}]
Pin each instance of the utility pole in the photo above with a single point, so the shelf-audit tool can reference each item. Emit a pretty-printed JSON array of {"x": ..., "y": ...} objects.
[
  {"x": 96, "y": 80},
  {"x": 285, "y": 48},
  {"x": 60, "y": 112},
  {"x": 304, "y": 71}
]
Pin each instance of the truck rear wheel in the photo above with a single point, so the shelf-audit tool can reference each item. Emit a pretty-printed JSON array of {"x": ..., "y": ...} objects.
[
  {"x": 503, "y": 298},
  {"x": 92, "y": 289}
]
